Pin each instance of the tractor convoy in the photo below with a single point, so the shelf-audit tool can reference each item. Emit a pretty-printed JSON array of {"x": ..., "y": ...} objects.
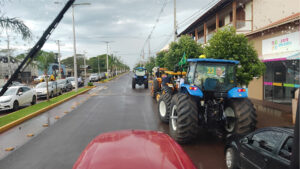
[{"x": 207, "y": 98}]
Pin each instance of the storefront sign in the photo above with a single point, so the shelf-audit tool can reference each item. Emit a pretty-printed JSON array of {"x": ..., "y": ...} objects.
[{"x": 281, "y": 44}]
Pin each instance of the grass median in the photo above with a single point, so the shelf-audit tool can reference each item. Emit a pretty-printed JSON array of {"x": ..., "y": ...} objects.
[{"x": 4, "y": 120}]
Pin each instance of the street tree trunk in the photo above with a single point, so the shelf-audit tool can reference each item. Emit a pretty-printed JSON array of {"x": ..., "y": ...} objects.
[{"x": 46, "y": 79}]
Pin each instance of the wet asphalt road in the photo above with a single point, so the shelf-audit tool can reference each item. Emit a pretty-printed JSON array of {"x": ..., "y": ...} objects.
[{"x": 116, "y": 108}]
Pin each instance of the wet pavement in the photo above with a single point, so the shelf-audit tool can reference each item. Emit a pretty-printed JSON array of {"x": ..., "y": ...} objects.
[{"x": 115, "y": 107}]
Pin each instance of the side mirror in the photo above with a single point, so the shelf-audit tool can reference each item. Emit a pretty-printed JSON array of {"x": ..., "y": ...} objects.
[
  {"x": 245, "y": 140},
  {"x": 20, "y": 93}
]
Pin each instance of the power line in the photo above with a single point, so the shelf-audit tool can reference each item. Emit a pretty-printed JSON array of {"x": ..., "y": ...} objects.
[{"x": 154, "y": 26}]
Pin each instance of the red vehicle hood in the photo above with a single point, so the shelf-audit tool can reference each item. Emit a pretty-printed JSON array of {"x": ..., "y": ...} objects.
[{"x": 132, "y": 149}]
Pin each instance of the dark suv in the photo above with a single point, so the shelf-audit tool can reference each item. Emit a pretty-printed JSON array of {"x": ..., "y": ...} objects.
[{"x": 265, "y": 148}]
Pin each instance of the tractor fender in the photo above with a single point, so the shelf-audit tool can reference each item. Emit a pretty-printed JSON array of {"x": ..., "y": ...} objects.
[
  {"x": 237, "y": 92},
  {"x": 185, "y": 88}
]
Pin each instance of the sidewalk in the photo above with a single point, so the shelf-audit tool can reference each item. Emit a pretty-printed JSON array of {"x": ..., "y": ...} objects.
[{"x": 272, "y": 114}]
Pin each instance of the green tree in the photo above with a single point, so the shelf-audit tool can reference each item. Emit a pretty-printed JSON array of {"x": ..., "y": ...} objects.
[
  {"x": 226, "y": 44},
  {"x": 150, "y": 64},
  {"x": 69, "y": 62},
  {"x": 44, "y": 60},
  {"x": 184, "y": 45},
  {"x": 160, "y": 61}
]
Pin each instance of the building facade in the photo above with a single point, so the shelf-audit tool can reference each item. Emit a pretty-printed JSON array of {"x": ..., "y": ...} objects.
[{"x": 273, "y": 28}]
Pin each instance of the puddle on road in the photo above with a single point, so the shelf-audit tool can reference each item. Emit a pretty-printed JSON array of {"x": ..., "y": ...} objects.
[{"x": 17, "y": 136}]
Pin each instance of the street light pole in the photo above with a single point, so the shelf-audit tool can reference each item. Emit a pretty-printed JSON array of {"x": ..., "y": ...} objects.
[
  {"x": 59, "y": 65},
  {"x": 175, "y": 25},
  {"x": 74, "y": 46},
  {"x": 84, "y": 60},
  {"x": 107, "y": 57}
]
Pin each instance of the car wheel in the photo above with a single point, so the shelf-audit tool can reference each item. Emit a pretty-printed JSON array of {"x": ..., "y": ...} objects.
[
  {"x": 51, "y": 95},
  {"x": 230, "y": 158},
  {"x": 15, "y": 105},
  {"x": 33, "y": 100}
]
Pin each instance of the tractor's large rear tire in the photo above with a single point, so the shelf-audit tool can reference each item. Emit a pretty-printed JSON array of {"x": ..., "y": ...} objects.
[
  {"x": 240, "y": 115},
  {"x": 164, "y": 107},
  {"x": 183, "y": 121},
  {"x": 133, "y": 83}
]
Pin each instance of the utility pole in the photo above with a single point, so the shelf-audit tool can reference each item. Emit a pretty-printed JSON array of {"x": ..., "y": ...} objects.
[
  {"x": 74, "y": 47},
  {"x": 107, "y": 57},
  {"x": 59, "y": 65},
  {"x": 149, "y": 47},
  {"x": 98, "y": 65},
  {"x": 107, "y": 67},
  {"x": 84, "y": 60},
  {"x": 175, "y": 24}
]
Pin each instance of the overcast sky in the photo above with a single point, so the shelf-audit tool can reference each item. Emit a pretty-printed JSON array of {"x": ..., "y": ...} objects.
[{"x": 126, "y": 23}]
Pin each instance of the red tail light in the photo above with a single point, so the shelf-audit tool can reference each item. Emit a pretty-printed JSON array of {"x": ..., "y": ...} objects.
[
  {"x": 193, "y": 88},
  {"x": 241, "y": 90}
]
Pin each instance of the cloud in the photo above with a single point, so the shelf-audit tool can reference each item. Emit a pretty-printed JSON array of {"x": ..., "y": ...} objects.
[{"x": 126, "y": 23}]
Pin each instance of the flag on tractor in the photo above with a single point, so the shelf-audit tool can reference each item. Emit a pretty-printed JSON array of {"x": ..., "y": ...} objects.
[{"x": 183, "y": 60}]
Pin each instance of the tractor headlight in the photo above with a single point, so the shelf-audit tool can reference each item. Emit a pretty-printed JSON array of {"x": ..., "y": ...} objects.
[{"x": 145, "y": 77}]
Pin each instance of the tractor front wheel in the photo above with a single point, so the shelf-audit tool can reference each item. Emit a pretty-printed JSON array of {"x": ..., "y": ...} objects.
[
  {"x": 133, "y": 83},
  {"x": 183, "y": 121},
  {"x": 146, "y": 84},
  {"x": 240, "y": 116},
  {"x": 164, "y": 107}
]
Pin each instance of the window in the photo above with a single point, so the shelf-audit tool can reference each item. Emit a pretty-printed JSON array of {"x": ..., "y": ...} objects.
[
  {"x": 281, "y": 79},
  {"x": 215, "y": 76},
  {"x": 25, "y": 89},
  {"x": 191, "y": 72},
  {"x": 286, "y": 150},
  {"x": 266, "y": 140}
]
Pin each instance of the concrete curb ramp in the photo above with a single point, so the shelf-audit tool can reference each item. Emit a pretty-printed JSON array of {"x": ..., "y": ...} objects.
[{"x": 30, "y": 116}]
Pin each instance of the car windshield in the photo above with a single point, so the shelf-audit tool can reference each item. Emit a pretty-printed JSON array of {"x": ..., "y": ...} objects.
[
  {"x": 140, "y": 72},
  {"x": 43, "y": 85},
  {"x": 62, "y": 81},
  {"x": 10, "y": 91},
  {"x": 214, "y": 76},
  {"x": 71, "y": 78}
]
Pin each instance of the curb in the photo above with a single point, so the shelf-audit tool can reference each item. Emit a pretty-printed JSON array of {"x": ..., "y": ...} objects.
[{"x": 30, "y": 116}]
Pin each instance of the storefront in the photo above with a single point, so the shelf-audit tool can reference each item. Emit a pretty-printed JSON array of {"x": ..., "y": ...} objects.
[{"x": 281, "y": 56}]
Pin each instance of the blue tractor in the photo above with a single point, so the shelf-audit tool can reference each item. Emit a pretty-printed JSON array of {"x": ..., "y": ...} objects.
[
  {"x": 209, "y": 99},
  {"x": 140, "y": 77}
]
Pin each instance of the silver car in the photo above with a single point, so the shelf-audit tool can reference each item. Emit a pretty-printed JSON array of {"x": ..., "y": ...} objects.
[{"x": 53, "y": 89}]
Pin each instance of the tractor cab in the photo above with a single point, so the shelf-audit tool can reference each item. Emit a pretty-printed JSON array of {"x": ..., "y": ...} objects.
[
  {"x": 214, "y": 77},
  {"x": 140, "y": 77},
  {"x": 140, "y": 71}
]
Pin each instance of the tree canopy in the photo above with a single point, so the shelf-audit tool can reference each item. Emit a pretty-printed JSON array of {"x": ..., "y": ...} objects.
[
  {"x": 226, "y": 44},
  {"x": 177, "y": 49}
]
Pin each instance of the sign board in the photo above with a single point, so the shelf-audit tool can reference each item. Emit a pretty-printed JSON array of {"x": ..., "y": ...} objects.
[{"x": 281, "y": 44}]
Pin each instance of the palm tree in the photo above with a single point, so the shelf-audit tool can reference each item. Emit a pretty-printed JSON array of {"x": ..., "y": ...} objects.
[
  {"x": 16, "y": 25},
  {"x": 44, "y": 61}
]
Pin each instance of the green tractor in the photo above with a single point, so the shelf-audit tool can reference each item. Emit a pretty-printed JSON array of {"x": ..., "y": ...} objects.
[{"x": 209, "y": 99}]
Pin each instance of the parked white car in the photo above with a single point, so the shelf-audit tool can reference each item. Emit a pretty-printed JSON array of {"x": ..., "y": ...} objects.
[
  {"x": 53, "y": 88},
  {"x": 94, "y": 77},
  {"x": 17, "y": 96}
]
